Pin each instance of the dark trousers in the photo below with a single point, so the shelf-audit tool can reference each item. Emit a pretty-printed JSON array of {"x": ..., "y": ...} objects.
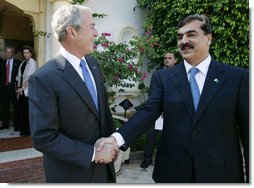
[
  {"x": 150, "y": 143},
  {"x": 9, "y": 97},
  {"x": 24, "y": 115}
]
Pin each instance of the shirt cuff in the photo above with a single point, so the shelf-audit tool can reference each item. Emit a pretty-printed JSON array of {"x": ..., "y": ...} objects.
[
  {"x": 119, "y": 139},
  {"x": 93, "y": 153}
]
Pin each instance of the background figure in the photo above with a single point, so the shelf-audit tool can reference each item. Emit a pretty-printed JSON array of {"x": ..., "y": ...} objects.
[
  {"x": 1, "y": 85},
  {"x": 26, "y": 69},
  {"x": 169, "y": 61},
  {"x": 9, "y": 70},
  {"x": 205, "y": 107},
  {"x": 69, "y": 106}
]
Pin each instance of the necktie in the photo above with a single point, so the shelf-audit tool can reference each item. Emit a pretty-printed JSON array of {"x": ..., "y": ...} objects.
[
  {"x": 194, "y": 87},
  {"x": 88, "y": 81},
  {"x": 7, "y": 72}
]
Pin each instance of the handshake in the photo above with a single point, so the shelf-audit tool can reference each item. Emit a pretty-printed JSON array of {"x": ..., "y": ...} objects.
[{"x": 106, "y": 150}]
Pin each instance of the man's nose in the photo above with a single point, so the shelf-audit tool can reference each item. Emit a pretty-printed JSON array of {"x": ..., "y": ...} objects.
[{"x": 185, "y": 39}]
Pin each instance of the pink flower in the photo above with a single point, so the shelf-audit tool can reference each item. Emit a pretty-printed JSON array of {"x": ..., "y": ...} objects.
[
  {"x": 144, "y": 76},
  {"x": 121, "y": 60},
  {"x": 131, "y": 67},
  {"x": 148, "y": 32},
  {"x": 151, "y": 44},
  {"x": 104, "y": 45},
  {"x": 105, "y": 34}
]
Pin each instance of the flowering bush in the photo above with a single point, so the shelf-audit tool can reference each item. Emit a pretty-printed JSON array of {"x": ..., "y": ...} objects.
[{"x": 120, "y": 63}]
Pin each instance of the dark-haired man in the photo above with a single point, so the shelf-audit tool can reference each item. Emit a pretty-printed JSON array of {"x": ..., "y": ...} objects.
[{"x": 205, "y": 105}]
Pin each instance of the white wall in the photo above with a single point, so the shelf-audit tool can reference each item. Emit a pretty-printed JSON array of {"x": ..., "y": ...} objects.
[{"x": 119, "y": 13}]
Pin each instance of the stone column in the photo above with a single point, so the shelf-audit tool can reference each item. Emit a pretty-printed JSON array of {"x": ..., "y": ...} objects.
[{"x": 55, "y": 5}]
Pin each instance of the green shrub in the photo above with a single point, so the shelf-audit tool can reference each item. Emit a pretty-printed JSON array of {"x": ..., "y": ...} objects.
[{"x": 229, "y": 18}]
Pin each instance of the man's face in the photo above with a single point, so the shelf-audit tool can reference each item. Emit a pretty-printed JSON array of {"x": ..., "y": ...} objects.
[
  {"x": 9, "y": 53},
  {"x": 87, "y": 34},
  {"x": 169, "y": 60},
  {"x": 193, "y": 44}
]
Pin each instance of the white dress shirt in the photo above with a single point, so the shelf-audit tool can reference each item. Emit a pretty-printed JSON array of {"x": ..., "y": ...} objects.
[
  {"x": 75, "y": 62},
  {"x": 201, "y": 74}
]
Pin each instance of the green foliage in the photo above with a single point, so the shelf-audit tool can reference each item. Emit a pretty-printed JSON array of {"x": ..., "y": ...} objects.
[
  {"x": 120, "y": 63},
  {"x": 99, "y": 15},
  {"x": 77, "y": 2},
  {"x": 229, "y": 18},
  {"x": 37, "y": 33}
]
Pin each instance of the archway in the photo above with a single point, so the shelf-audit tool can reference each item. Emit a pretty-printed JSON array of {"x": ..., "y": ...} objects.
[{"x": 15, "y": 29}]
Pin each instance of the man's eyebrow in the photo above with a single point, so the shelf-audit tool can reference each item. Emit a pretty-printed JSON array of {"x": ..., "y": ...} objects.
[{"x": 190, "y": 31}]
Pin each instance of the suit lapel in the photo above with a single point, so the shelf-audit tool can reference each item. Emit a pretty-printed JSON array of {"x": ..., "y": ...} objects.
[
  {"x": 213, "y": 83},
  {"x": 182, "y": 85},
  {"x": 72, "y": 77}
]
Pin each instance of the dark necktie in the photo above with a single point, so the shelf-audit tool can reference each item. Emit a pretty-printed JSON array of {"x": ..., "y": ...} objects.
[
  {"x": 88, "y": 81},
  {"x": 194, "y": 87},
  {"x": 7, "y": 72}
]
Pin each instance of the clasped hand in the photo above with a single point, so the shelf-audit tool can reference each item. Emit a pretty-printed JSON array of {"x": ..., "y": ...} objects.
[{"x": 106, "y": 150}]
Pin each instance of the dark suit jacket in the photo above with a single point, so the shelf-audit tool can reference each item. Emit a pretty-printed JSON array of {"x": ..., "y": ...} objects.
[
  {"x": 206, "y": 141},
  {"x": 14, "y": 72},
  {"x": 65, "y": 123}
]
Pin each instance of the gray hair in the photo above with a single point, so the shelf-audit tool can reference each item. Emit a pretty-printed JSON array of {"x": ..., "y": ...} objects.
[{"x": 67, "y": 15}]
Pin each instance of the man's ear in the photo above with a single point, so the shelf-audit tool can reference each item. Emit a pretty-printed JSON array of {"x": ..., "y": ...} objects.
[
  {"x": 209, "y": 41},
  {"x": 71, "y": 31}
]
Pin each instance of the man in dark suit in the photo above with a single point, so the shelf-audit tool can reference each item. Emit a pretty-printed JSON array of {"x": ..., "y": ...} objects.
[
  {"x": 9, "y": 71},
  {"x": 68, "y": 105},
  {"x": 1, "y": 85},
  {"x": 169, "y": 61},
  {"x": 202, "y": 136}
]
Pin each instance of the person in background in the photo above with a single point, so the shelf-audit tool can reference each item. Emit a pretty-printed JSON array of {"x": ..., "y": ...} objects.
[
  {"x": 26, "y": 69},
  {"x": 1, "y": 86},
  {"x": 69, "y": 107},
  {"x": 169, "y": 61},
  {"x": 205, "y": 105},
  {"x": 9, "y": 70}
]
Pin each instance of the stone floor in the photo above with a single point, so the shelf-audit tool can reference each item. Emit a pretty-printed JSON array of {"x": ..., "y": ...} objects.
[
  {"x": 132, "y": 174},
  {"x": 13, "y": 147}
]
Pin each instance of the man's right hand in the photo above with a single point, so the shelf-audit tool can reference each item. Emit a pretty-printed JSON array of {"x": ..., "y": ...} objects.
[{"x": 106, "y": 150}]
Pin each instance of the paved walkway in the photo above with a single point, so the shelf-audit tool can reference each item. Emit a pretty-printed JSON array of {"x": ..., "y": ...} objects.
[
  {"x": 133, "y": 174},
  {"x": 13, "y": 147}
]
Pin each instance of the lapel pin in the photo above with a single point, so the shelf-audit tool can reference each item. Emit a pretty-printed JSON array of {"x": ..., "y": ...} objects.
[{"x": 216, "y": 80}]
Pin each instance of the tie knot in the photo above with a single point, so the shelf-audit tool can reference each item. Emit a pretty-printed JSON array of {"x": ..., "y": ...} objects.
[
  {"x": 83, "y": 63},
  {"x": 193, "y": 71}
]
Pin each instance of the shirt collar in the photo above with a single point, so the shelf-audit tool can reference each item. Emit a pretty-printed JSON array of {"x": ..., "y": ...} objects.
[
  {"x": 202, "y": 67},
  {"x": 75, "y": 61}
]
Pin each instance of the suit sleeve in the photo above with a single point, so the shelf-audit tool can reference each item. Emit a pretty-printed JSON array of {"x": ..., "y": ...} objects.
[
  {"x": 44, "y": 123},
  {"x": 243, "y": 117},
  {"x": 146, "y": 116}
]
